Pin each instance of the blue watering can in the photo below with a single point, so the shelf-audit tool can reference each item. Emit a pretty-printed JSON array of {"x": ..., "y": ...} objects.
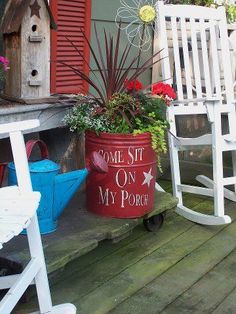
[{"x": 56, "y": 189}]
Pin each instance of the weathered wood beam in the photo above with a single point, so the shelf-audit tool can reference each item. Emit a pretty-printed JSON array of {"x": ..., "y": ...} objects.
[{"x": 50, "y": 115}]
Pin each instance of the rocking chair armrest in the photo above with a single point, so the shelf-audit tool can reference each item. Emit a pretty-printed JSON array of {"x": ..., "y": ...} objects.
[
  {"x": 213, "y": 108},
  {"x": 187, "y": 101},
  {"x": 195, "y": 100},
  {"x": 213, "y": 99},
  {"x": 210, "y": 104}
]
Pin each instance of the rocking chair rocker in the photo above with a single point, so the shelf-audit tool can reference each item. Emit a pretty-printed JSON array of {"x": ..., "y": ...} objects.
[
  {"x": 18, "y": 205},
  {"x": 205, "y": 30}
]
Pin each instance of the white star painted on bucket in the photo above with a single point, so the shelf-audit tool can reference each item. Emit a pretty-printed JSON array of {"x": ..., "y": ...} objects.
[{"x": 148, "y": 177}]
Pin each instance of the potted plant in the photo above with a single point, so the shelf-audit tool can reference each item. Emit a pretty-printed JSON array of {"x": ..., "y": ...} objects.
[{"x": 126, "y": 124}]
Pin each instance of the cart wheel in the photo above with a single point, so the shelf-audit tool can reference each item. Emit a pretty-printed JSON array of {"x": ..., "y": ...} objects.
[{"x": 154, "y": 223}]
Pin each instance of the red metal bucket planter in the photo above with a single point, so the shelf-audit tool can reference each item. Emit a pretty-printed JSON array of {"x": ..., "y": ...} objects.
[{"x": 128, "y": 190}]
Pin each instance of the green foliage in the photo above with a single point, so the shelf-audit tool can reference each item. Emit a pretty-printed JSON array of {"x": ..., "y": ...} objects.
[
  {"x": 229, "y": 6},
  {"x": 205, "y": 3},
  {"x": 3, "y": 67},
  {"x": 231, "y": 13},
  {"x": 121, "y": 110},
  {"x": 153, "y": 104},
  {"x": 153, "y": 121},
  {"x": 84, "y": 116},
  {"x": 125, "y": 113},
  {"x": 2, "y": 73}
]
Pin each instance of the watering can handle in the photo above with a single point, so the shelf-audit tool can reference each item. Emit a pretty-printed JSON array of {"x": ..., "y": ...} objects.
[
  {"x": 96, "y": 162},
  {"x": 42, "y": 146},
  {"x": 2, "y": 171}
]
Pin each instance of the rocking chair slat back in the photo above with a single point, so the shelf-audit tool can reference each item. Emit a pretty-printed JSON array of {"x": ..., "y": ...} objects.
[
  {"x": 186, "y": 57},
  {"x": 190, "y": 11},
  {"x": 204, "y": 27},
  {"x": 196, "y": 53},
  {"x": 215, "y": 79},
  {"x": 225, "y": 59},
  {"x": 177, "y": 58}
]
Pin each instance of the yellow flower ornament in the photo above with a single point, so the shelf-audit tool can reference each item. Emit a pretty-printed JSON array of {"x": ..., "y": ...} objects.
[
  {"x": 137, "y": 17},
  {"x": 147, "y": 14}
]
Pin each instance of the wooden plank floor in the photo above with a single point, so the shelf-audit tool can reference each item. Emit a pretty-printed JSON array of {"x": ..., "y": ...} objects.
[{"x": 183, "y": 268}]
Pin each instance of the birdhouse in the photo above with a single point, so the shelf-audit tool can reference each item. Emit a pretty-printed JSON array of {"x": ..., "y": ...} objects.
[{"x": 26, "y": 30}]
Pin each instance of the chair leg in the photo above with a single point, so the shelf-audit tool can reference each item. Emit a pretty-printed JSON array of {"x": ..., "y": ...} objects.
[
  {"x": 219, "y": 217},
  {"x": 217, "y": 158},
  {"x": 218, "y": 183},
  {"x": 41, "y": 279},
  {"x": 175, "y": 170},
  {"x": 234, "y": 167}
]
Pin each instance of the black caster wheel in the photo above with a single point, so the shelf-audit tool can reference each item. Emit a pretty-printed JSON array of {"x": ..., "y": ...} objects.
[{"x": 154, "y": 223}]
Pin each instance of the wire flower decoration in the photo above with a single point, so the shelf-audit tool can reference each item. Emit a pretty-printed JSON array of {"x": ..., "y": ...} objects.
[{"x": 137, "y": 18}]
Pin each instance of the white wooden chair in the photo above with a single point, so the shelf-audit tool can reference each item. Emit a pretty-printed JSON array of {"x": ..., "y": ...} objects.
[
  {"x": 205, "y": 29},
  {"x": 18, "y": 205}
]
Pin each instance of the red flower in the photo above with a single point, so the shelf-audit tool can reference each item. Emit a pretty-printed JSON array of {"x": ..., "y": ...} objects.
[
  {"x": 134, "y": 85},
  {"x": 163, "y": 90},
  {"x": 4, "y": 62}
]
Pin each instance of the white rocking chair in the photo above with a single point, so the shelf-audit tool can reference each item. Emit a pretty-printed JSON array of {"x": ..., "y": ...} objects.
[
  {"x": 205, "y": 30},
  {"x": 18, "y": 205}
]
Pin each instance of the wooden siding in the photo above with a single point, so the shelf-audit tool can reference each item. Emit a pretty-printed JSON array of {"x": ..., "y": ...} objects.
[{"x": 103, "y": 14}]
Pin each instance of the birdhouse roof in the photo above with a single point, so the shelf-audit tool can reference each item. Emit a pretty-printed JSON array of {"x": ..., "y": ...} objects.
[{"x": 14, "y": 13}]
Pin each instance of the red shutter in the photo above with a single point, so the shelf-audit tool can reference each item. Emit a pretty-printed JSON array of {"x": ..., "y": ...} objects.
[{"x": 70, "y": 16}]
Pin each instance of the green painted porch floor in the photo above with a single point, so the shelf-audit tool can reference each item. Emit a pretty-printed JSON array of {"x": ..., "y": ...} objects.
[
  {"x": 79, "y": 232},
  {"x": 183, "y": 268}
]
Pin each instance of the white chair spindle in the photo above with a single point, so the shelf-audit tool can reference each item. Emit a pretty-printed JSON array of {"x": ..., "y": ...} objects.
[
  {"x": 215, "y": 73},
  {"x": 177, "y": 67},
  {"x": 195, "y": 53},
  {"x": 187, "y": 71},
  {"x": 167, "y": 75},
  {"x": 205, "y": 57}
]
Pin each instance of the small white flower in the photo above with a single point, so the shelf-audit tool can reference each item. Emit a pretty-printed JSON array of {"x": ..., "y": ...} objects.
[
  {"x": 219, "y": 2},
  {"x": 229, "y": 2},
  {"x": 137, "y": 17}
]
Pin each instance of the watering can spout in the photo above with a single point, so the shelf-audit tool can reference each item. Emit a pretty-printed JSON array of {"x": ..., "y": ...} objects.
[{"x": 66, "y": 184}]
